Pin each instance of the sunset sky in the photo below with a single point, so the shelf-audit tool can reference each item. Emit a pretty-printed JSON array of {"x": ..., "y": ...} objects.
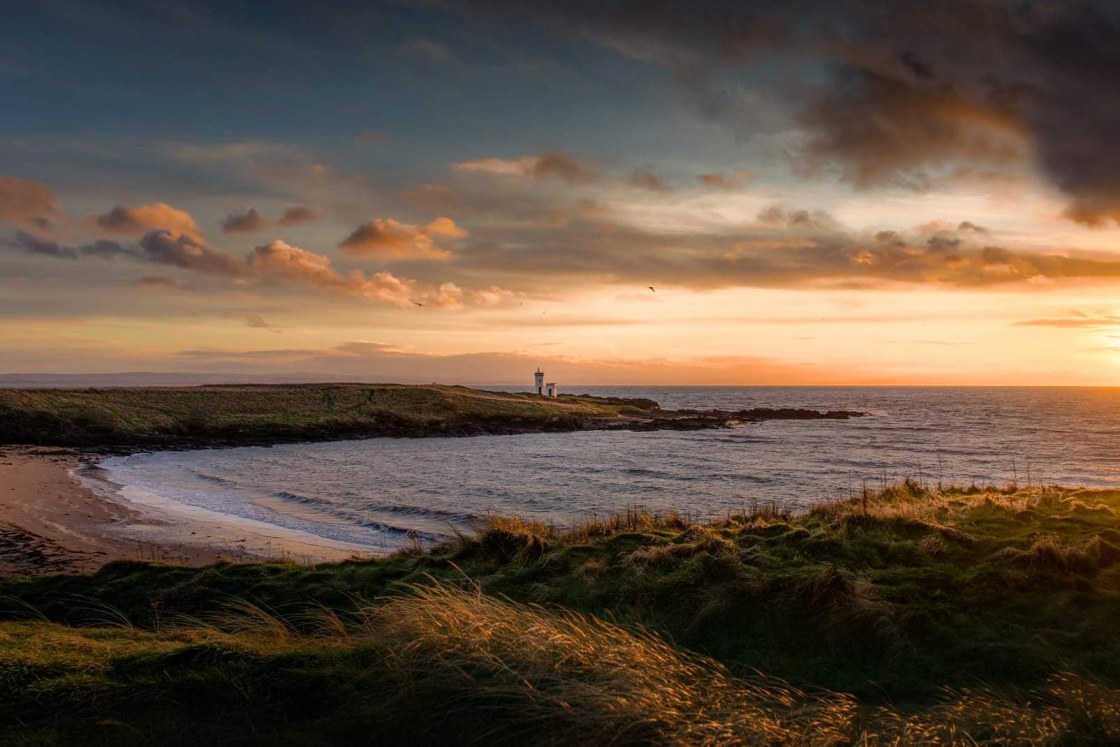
[{"x": 817, "y": 192}]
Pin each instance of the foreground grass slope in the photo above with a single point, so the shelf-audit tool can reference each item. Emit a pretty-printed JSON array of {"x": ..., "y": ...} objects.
[
  {"x": 900, "y": 617},
  {"x": 237, "y": 414}
]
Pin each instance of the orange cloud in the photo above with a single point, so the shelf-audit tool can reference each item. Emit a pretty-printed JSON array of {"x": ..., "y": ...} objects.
[
  {"x": 26, "y": 204},
  {"x": 284, "y": 261},
  {"x": 157, "y": 216},
  {"x": 389, "y": 239},
  {"x": 495, "y": 296},
  {"x": 297, "y": 215},
  {"x": 449, "y": 296}
]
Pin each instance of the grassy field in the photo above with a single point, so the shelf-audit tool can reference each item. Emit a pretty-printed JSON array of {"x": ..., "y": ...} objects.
[
  {"x": 902, "y": 617},
  {"x": 240, "y": 414}
]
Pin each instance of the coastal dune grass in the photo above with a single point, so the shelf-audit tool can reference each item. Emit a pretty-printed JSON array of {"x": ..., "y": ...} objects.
[
  {"x": 443, "y": 664},
  {"x": 910, "y": 615}
]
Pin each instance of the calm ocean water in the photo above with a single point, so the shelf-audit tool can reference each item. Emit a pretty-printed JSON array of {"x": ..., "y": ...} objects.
[{"x": 374, "y": 492}]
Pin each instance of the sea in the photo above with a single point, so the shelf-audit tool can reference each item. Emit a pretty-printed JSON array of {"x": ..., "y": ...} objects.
[{"x": 382, "y": 493}]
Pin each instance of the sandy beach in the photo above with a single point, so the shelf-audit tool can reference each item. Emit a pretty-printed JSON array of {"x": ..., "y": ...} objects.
[{"x": 59, "y": 515}]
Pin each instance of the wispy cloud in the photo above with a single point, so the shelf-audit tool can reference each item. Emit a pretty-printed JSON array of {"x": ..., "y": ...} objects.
[
  {"x": 559, "y": 166},
  {"x": 1075, "y": 320}
]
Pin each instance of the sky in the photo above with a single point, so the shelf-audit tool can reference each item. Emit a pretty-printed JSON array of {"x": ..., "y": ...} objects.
[{"x": 618, "y": 191}]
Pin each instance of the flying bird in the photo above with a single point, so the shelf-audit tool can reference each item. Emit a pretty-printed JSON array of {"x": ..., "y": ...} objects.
[
  {"x": 417, "y": 303},
  {"x": 651, "y": 289}
]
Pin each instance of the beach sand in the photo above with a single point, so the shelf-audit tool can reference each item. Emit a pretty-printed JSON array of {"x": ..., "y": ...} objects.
[{"x": 53, "y": 522}]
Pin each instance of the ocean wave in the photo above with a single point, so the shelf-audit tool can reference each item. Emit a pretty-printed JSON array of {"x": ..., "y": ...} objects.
[
  {"x": 214, "y": 479},
  {"x": 305, "y": 500},
  {"x": 426, "y": 512}
]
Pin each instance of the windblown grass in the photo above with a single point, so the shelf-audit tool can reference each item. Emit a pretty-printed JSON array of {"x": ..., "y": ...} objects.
[
  {"x": 534, "y": 672},
  {"x": 903, "y": 616},
  {"x": 441, "y": 665}
]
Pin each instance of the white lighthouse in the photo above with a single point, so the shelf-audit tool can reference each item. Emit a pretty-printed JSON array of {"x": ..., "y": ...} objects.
[{"x": 540, "y": 380}]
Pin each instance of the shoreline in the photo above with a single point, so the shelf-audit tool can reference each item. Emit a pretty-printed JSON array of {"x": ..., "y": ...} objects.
[
  {"x": 59, "y": 512},
  {"x": 57, "y": 515}
]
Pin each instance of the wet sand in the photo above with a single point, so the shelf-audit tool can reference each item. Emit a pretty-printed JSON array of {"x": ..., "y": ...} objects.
[{"x": 53, "y": 522}]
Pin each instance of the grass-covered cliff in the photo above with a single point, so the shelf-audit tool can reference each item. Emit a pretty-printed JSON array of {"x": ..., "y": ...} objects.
[
  {"x": 185, "y": 417},
  {"x": 906, "y": 617},
  {"x": 269, "y": 413}
]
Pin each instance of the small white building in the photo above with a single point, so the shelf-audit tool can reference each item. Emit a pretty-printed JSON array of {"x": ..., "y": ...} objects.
[{"x": 550, "y": 390}]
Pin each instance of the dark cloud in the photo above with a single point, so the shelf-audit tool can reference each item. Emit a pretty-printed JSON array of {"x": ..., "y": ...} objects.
[
  {"x": 298, "y": 215},
  {"x": 34, "y": 245},
  {"x": 29, "y": 244},
  {"x": 104, "y": 249},
  {"x": 183, "y": 251},
  {"x": 904, "y": 93},
  {"x": 942, "y": 243},
  {"x": 779, "y": 216},
  {"x": 249, "y": 221},
  {"x": 878, "y": 128},
  {"x": 890, "y": 238}
]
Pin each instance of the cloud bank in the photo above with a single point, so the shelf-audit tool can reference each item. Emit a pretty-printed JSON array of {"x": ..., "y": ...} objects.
[{"x": 885, "y": 93}]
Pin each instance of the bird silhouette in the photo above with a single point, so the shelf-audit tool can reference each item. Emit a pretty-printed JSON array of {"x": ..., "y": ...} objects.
[
  {"x": 417, "y": 303},
  {"x": 651, "y": 288}
]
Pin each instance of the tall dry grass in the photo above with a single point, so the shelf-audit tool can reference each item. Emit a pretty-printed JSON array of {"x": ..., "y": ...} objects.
[
  {"x": 444, "y": 663},
  {"x": 532, "y": 674},
  {"x": 581, "y": 679}
]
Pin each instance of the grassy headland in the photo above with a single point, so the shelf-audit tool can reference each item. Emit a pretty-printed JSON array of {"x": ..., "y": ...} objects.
[
  {"x": 225, "y": 415},
  {"x": 267, "y": 413},
  {"x": 902, "y": 617}
]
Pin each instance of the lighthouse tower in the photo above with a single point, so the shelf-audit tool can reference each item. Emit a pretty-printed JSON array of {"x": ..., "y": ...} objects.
[{"x": 540, "y": 380}]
